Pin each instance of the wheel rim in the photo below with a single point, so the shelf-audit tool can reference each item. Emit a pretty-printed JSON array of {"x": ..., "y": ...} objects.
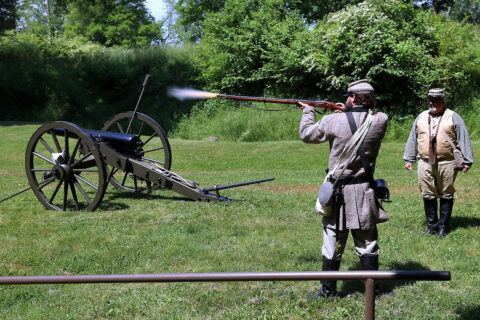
[
  {"x": 65, "y": 168},
  {"x": 155, "y": 148}
]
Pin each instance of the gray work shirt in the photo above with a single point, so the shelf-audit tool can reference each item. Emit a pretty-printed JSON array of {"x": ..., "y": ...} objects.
[{"x": 463, "y": 141}]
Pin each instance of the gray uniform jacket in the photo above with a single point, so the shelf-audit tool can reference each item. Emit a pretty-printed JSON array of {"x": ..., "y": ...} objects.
[{"x": 361, "y": 210}]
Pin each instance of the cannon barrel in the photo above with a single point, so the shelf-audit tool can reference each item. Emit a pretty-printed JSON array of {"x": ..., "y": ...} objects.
[
  {"x": 235, "y": 185},
  {"x": 117, "y": 139}
]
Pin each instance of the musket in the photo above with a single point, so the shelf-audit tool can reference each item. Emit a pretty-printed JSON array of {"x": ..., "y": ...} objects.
[{"x": 185, "y": 93}]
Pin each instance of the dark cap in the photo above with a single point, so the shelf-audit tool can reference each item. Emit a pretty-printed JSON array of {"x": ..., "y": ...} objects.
[
  {"x": 360, "y": 86},
  {"x": 436, "y": 93}
]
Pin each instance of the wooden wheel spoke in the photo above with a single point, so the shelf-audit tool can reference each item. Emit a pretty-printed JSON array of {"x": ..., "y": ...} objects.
[
  {"x": 67, "y": 151},
  {"x": 55, "y": 140},
  {"x": 112, "y": 172},
  {"x": 82, "y": 191},
  {"x": 124, "y": 178},
  {"x": 82, "y": 159},
  {"x": 85, "y": 170},
  {"x": 41, "y": 170},
  {"x": 43, "y": 157},
  {"x": 45, "y": 183},
  {"x": 74, "y": 195},
  {"x": 55, "y": 191},
  {"x": 151, "y": 150},
  {"x": 150, "y": 138},
  {"x": 119, "y": 126},
  {"x": 153, "y": 160},
  {"x": 141, "y": 129},
  {"x": 86, "y": 181},
  {"x": 74, "y": 153},
  {"x": 46, "y": 145},
  {"x": 65, "y": 195}
]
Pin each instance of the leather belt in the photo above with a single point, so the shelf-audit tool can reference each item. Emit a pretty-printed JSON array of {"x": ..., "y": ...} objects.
[{"x": 346, "y": 181}]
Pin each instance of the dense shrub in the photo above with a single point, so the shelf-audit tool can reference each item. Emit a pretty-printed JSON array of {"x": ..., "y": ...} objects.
[
  {"x": 247, "y": 48},
  {"x": 84, "y": 83},
  {"x": 263, "y": 49}
]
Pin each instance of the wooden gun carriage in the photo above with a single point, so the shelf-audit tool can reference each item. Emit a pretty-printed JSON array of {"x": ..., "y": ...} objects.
[{"x": 69, "y": 168}]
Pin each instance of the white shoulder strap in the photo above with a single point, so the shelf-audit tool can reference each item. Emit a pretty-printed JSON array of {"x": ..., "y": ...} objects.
[{"x": 351, "y": 147}]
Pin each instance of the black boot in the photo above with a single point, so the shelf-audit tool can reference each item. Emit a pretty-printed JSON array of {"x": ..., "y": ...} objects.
[
  {"x": 370, "y": 262},
  {"x": 446, "y": 206},
  {"x": 329, "y": 287},
  {"x": 430, "y": 206}
]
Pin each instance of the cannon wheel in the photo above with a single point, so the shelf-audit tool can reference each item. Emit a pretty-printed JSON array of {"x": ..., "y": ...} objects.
[
  {"x": 155, "y": 148},
  {"x": 65, "y": 168}
]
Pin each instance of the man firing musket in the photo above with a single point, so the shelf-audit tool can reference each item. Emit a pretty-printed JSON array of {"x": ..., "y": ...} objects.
[
  {"x": 352, "y": 200},
  {"x": 356, "y": 197}
]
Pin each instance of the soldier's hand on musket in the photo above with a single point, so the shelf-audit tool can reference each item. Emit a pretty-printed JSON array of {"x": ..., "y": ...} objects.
[
  {"x": 340, "y": 105},
  {"x": 302, "y": 105},
  {"x": 465, "y": 168},
  {"x": 408, "y": 166}
]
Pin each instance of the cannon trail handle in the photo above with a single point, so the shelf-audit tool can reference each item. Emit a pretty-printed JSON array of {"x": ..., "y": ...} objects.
[
  {"x": 138, "y": 102},
  {"x": 235, "y": 185},
  {"x": 16, "y": 194}
]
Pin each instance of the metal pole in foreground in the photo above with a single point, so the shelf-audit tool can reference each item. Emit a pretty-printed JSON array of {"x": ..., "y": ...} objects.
[
  {"x": 232, "y": 276},
  {"x": 369, "y": 276},
  {"x": 369, "y": 299}
]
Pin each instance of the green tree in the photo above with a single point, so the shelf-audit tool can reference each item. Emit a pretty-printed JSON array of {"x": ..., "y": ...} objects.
[
  {"x": 193, "y": 13},
  {"x": 7, "y": 15},
  {"x": 466, "y": 10},
  {"x": 42, "y": 18},
  {"x": 403, "y": 51},
  {"x": 112, "y": 22},
  {"x": 247, "y": 48}
]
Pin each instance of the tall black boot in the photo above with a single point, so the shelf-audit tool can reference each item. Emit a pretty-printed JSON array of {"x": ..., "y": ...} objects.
[
  {"x": 329, "y": 287},
  {"x": 446, "y": 206},
  {"x": 370, "y": 262},
  {"x": 430, "y": 206}
]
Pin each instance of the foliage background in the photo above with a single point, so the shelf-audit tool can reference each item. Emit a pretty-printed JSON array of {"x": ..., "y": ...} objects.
[{"x": 83, "y": 63}]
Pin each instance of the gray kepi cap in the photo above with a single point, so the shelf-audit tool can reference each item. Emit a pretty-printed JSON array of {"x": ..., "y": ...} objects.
[
  {"x": 436, "y": 93},
  {"x": 360, "y": 87}
]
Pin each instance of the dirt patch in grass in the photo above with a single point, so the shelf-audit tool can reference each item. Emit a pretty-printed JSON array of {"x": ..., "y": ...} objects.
[{"x": 276, "y": 188}]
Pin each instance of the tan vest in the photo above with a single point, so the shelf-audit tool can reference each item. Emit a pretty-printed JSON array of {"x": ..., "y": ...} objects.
[{"x": 444, "y": 151}]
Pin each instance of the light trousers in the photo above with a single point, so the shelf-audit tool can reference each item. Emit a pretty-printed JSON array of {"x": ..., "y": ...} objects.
[
  {"x": 436, "y": 181},
  {"x": 365, "y": 242}
]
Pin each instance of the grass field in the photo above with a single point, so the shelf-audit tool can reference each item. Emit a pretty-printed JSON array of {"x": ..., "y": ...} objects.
[{"x": 270, "y": 227}]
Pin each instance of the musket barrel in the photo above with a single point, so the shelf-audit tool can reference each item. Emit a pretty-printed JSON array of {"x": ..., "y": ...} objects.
[
  {"x": 260, "y": 99},
  {"x": 317, "y": 103},
  {"x": 235, "y": 185}
]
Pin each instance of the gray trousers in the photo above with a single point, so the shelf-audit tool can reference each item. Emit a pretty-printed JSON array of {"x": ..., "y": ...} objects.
[{"x": 365, "y": 242}]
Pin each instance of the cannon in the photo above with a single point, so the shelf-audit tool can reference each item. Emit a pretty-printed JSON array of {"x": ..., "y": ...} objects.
[{"x": 69, "y": 168}]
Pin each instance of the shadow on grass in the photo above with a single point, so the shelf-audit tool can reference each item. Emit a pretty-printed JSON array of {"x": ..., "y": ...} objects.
[
  {"x": 136, "y": 195},
  {"x": 354, "y": 286},
  {"x": 458, "y": 222},
  {"x": 469, "y": 312}
]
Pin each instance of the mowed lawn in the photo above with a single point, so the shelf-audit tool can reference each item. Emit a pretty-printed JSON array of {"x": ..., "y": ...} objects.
[{"x": 269, "y": 227}]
